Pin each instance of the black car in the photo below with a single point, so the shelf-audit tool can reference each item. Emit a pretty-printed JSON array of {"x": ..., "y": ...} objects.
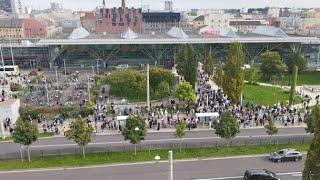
[
  {"x": 286, "y": 155},
  {"x": 260, "y": 174}
]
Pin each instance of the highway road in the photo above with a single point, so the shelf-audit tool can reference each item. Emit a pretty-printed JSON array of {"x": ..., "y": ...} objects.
[
  {"x": 203, "y": 138},
  {"x": 206, "y": 169}
]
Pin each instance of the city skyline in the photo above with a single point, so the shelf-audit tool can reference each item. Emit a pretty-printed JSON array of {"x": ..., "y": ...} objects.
[{"x": 178, "y": 4}]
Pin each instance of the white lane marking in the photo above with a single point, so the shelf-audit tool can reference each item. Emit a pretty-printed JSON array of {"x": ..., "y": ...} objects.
[
  {"x": 220, "y": 178},
  {"x": 162, "y": 140},
  {"x": 237, "y": 177}
]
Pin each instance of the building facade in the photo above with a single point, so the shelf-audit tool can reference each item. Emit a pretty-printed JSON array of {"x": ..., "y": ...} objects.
[
  {"x": 245, "y": 26},
  {"x": 17, "y": 29},
  {"x": 117, "y": 20},
  {"x": 160, "y": 21}
]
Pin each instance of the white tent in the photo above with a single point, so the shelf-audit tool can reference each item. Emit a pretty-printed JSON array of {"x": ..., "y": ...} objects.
[
  {"x": 208, "y": 114},
  {"x": 129, "y": 34},
  {"x": 79, "y": 33},
  {"x": 177, "y": 33}
]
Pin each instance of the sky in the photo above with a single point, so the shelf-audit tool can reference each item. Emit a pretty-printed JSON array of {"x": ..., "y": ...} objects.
[{"x": 178, "y": 4}]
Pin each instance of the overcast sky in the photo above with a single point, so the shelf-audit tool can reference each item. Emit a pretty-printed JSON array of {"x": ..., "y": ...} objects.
[{"x": 178, "y": 4}]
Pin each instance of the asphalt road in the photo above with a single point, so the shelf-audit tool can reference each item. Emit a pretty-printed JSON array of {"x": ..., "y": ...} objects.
[
  {"x": 210, "y": 169},
  {"x": 57, "y": 146}
]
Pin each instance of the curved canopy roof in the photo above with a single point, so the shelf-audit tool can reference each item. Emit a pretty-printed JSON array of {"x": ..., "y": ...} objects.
[
  {"x": 79, "y": 33},
  {"x": 129, "y": 34},
  {"x": 176, "y": 32}
]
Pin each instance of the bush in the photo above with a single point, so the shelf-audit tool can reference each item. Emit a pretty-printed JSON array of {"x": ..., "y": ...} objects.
[
  {"x": 33, "y": 73},
  {"x": 15, "y": 87},
  {"x": 128, "y": 83}
]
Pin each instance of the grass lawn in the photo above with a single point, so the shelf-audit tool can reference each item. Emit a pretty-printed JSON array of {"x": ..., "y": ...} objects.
[
  {"x": 306, "y": 78},
  {"x": 266, "y": 95},
  {"x": 41, "y": 135},
  {"x": 127, "y": 157}
]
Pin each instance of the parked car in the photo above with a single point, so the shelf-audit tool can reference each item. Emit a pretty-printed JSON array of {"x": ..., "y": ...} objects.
[
  {"x": 122, "y": 66},
  {"x": 286, "y": 155},
  {"x": 260, "y": 174}
]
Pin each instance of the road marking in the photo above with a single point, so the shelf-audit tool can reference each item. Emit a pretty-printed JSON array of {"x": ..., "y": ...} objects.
[
  {"x": 220, "y": 178},
  {"x": 163, "y": 140},
  {"x": 237, "y": 177}
]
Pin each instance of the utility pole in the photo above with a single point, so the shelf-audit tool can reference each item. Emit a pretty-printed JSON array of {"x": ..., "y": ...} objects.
[
  {"x": 148, "y": 87},
  {"x": 170, "y": 165},
  {"x": 4, "y": 69}
]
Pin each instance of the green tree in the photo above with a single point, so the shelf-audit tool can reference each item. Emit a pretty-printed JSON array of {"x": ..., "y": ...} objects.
[
  {"x": 158, "y": 75},
  {"x": 185, "y": 93},
  {"x": 182, "y": 60},
  {"x": 312, "y": 163},
  {"x": 293, "y": 85},
  {"x": 128, "y": 83},
  {"x": 233, "y": 73},
  {"x": 81, "y": 132},
  {"x": 296, "y": 59},
  {"x": 180, "y": 131},
  {"x": 191, "y": 66},
  {"x": 163, "y": 89},
  {"x": 271, "y": 65},
  {"x": 187, "y": 63},
  {"x": 311, "y": 119},
  {"x": 227, "y": 128},
  {"x": 135, "y": 130},
  {"x": 253, "y": 76},
  {"x": 208, "y": 64},
  {"x": 271, "y": 129},
  {"x": 25, "y": 133},
  {"x": 219, "y": 76}
]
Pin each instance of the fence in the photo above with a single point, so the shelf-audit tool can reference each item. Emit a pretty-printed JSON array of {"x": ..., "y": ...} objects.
[{"x": 156, "y": 145}]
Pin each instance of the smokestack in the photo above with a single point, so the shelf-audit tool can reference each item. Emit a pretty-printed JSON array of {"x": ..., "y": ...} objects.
[
  {"x": 104, "y": 3},
  {"x": 123, "y": 3}
]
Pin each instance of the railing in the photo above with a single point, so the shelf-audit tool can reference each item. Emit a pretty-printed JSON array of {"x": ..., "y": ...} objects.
[{"x": 154, "y": 146}]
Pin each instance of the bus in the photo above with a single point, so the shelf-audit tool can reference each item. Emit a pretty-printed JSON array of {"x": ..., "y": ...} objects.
[{"x": 9, "y": 70}]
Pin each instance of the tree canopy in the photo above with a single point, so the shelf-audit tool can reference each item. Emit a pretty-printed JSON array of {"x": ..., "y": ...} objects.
[
  {"x": 233, "y": 73},
  {"x": 227, "y": 128},
  {"x": 185, "y": 92},
  {"x": 271, "y": 65},
  {"x": 208, "y": 64},
  {"x": 81, "y": 132},
  {"x": 296, "y": 59},
  {"x": 312, "y": 163},
  {"x": 135, "y": 130},
  {"x": 187, "y": 63},
  {"x": 25, "y": 133},
  {"x": 312, "y": 118}
]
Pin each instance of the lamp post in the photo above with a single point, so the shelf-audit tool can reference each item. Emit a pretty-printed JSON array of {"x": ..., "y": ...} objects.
[
  {"x": 148, "y": 87},
  {"x": 170, "y": 165},
  {"x": 136, "y": 129}
]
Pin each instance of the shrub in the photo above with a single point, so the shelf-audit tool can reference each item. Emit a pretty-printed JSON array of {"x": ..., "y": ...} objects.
[
  {"x": 33, "y": 73},
  {"x": 15, "y": 87}
]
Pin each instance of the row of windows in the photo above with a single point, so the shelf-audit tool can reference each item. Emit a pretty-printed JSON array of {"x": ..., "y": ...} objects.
[
  {"x": 11, "y": 36},
  {"x": 9, "y": 30}
]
